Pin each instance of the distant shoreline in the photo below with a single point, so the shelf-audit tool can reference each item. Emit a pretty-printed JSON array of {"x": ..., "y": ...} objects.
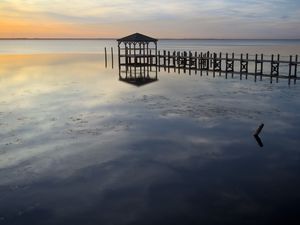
[{"x": 112, "y": 39}]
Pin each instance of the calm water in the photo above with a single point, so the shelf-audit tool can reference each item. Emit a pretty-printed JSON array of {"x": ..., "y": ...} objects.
[{"x": 77, "y": 146}]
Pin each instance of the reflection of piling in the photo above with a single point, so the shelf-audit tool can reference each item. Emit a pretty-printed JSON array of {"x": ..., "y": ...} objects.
[
  {"x": 256, "y": 133},
  {"x": 259, "y": 141}
]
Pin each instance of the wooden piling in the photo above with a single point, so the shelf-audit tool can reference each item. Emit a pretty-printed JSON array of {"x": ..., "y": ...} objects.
[
  {"x": 168, "y": 61},
  {"x": 255, "y": 69},
  {"x": 190, "y": 62},
  {"x": 295, "y": 72},
  {"x": 214, "y": 64},
  {"x": 261, "y": 66},
  {"x": 226, "y": 68},
  {"x": 151, "y": 60},
  {"x": 105, "y": 56},
  {"x": 174, "y": 60},
  {"x": 201, "y": 63},
  {"x": 220, "y": 64},
  {"x": 241, "y": 66},
  {"x": 112, "y": 57},
  {"x": 246, "y": 64},
  {"x": 272, "y": 68},
  {"x": 184, "y": 61},
  {"x": 196, "y": 62},
  {"x": 290, "y": 69},
  {"x": 233, "y": 60},
  {"x": 178, "y": 61},
  {"x": 278, "y": 66},
  {"x": 207, "y": 62}
]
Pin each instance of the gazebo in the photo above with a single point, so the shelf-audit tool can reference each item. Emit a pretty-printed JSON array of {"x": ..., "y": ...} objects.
[
  {"x": 137, "y": 49},
  {"x": 137, "y": 59}
]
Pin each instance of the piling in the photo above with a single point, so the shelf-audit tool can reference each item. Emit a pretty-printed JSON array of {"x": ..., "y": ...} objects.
[
  {"x": 112, "y": 57},
  {"x": 295, "y": 72},
  {"x": 105, "y": 56}
]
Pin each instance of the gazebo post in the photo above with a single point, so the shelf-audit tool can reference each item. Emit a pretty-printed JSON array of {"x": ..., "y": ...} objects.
[
  {"x": 147, "y": 53},
  {"x": 155, "y": 53},
  {"x": 119, "y": 56},
  {"x": 134, "y": 58}
]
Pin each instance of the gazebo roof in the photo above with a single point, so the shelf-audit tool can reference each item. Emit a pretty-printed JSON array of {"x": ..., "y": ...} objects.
[{"x": 137, "y": 37}]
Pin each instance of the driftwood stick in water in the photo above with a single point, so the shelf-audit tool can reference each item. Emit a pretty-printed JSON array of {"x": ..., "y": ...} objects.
[{"x": 258, "y": 130}]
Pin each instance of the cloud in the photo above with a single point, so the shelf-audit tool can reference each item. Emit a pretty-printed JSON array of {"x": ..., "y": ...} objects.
[{"x": 200, "y": 13}]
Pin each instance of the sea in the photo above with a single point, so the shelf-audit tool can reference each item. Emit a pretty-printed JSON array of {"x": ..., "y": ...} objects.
[{"x": 78, "y": 145}]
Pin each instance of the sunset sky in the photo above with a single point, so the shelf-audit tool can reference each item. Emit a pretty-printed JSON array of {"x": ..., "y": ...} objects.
[{"x": 158, "y": 18}]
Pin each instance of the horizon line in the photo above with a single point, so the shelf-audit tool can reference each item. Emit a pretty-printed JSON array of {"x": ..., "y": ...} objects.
[{"x": 110, "y": 38}]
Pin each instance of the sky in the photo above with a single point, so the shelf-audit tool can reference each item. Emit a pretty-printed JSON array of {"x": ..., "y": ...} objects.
[{"x": 157, "y": 18}]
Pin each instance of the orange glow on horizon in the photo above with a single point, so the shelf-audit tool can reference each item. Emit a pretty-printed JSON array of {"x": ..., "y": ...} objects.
[{"x": 26, "y": 29}]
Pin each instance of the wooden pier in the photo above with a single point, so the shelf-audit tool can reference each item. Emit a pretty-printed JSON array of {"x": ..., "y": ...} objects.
[
  {"x": 274, "y": 67},
  {"x": 138, "y": 52}
]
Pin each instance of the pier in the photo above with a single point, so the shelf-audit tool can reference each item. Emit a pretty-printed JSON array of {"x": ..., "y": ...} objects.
[
  {"x": 219, "y": 64},
  {"x": 138, "y": 56}
]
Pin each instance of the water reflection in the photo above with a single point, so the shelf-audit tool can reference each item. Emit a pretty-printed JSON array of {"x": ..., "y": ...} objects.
[
  {"x": 80, "y": 147},
  {"x": 137, "y": 75},
  {"x": 258, "y": 140}
]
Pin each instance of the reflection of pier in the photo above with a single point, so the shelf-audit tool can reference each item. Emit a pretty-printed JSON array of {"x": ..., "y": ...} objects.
[{"x": 139, "y": 60}]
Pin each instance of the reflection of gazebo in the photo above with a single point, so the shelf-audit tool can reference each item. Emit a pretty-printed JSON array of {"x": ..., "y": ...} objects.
[
  {"x": 138, "y": 81},
  {"x": 137, "y": 59},
  {"x": 137, "y": 49}
]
